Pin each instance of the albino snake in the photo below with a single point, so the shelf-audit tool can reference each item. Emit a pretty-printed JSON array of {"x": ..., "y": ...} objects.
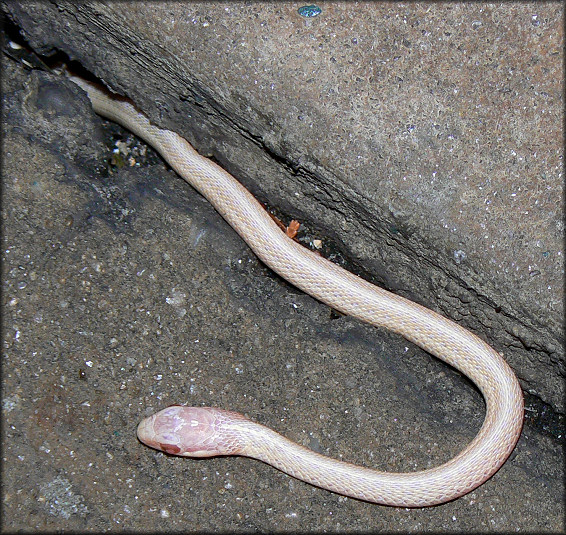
[{"x": 206, "y": 432}]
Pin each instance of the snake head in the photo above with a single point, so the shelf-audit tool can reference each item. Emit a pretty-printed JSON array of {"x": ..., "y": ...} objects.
[{"x": 190, "y": 431}]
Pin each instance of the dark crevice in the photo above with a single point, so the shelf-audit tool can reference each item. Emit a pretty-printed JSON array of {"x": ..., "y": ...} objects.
[{"x": 543, "y": 418}]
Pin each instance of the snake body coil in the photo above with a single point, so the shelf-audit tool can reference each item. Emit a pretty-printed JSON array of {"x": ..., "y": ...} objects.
[{"x": 204, "y": 432}]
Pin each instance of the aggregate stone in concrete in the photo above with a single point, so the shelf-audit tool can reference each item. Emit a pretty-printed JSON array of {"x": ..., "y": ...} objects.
[
  {"x": 124, "y": 292},
  {"x": 425, "y": 139}
]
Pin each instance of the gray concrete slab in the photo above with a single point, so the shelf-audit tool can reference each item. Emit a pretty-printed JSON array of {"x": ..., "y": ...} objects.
[
  {"x": 125, "y": 292},
  {"x": 425, "y": 140}
]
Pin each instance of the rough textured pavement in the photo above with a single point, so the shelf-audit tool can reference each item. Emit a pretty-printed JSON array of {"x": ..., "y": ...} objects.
[
  {"x": 125, "y": 292},
  {"x": 425, "y": 140}
]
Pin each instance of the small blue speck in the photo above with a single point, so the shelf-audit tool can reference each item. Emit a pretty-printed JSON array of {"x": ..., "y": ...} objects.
[{"x": 309, "y": 11}]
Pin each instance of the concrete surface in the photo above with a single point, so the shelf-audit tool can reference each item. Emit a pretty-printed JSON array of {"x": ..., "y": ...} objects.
[
  {"x": 425, "y": 140},
  {"x": 125, "y": 292}
]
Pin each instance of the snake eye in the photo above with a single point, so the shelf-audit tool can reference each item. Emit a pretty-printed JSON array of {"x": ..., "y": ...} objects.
[{"x": 169, "y": 448}]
